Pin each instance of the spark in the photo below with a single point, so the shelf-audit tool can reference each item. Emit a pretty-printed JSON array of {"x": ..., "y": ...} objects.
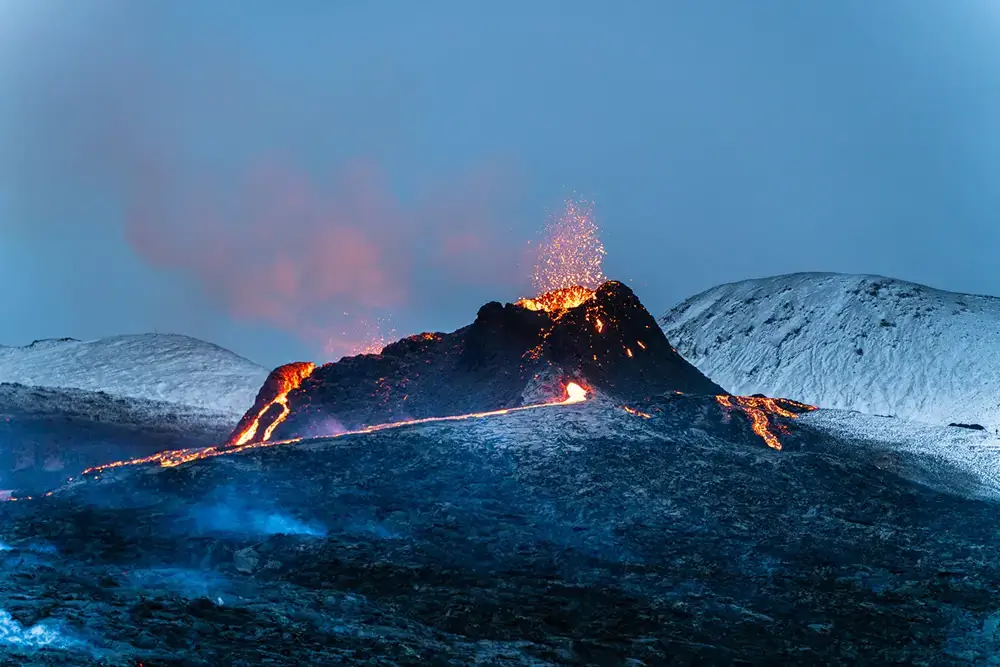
[
  {"x": 569, "y": 264},
  {"x": 637, "y": 413}
]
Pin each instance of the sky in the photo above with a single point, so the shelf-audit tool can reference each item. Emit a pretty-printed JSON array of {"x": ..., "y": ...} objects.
[{"x": 283, "y": 179}]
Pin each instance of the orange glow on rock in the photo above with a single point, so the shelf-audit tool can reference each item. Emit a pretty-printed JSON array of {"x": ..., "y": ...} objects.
[
  {"x": 558, "y": 300},
  {"x": 757, "y": 410},
  {"x": 289, "y": 377},
  {"x": 637, "y": 413}
]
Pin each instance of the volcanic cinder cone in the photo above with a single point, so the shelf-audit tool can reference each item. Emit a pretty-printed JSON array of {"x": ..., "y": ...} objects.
[{"x": 604, "y": 339}]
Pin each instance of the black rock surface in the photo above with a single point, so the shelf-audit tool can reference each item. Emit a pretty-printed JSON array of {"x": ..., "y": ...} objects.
[
  {"x": 508, "y": 357},
  {"x": 566, "y": 535}
]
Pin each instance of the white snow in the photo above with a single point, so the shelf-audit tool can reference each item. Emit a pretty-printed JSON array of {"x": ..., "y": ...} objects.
[
  {"x": 158, "y": 367},
  {"x": 964, "y": 461},
  {"x": 857, "y": 342}
]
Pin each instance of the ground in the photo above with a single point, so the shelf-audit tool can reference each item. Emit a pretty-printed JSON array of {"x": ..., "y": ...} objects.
[{"x": 565, "y": 535}]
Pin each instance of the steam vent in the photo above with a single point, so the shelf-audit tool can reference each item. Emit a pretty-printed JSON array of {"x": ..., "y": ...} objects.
[{"x": 512, "y": 354}]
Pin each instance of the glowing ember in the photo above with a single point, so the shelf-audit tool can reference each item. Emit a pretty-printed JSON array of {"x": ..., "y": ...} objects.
[
  {"x": 568, "y": 269},
  {"x": 637, "y": 413},
  {"x": 757, "y": 409},
  {"x": 363, "y": 337},
  {"x": 288, "y": 377},
  {"x": 574, "y": 394},
  {"x": 600, "y": 325},
  {"x": 572, "y": 253}
]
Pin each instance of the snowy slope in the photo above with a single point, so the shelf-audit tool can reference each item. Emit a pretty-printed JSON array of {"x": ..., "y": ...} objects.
[
  {"x": 156, "y": 367},
  {"x": 865, "y": 343},
  {"x": 951, "y": 459}
]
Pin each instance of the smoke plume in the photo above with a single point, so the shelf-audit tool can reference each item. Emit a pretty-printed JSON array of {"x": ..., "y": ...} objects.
[{"x": 270, "y": 191}]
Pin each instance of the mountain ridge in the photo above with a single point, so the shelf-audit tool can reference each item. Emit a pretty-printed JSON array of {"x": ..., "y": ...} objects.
[
  {"x": 849, "y": 341},
  {"x": 169, "y": 368}
]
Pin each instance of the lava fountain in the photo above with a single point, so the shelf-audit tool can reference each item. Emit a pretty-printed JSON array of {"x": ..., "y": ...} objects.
[{"x": 569, "y": 262}]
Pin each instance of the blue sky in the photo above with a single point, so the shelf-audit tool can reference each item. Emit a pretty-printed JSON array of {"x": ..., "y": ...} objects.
[{"x": 163, "y": 165}]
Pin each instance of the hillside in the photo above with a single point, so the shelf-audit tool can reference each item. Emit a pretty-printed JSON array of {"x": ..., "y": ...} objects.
[
  {"x": 47, "y": 434},
  {"x": 156, "y": 367},
  {"x": 858, "y": 342}
]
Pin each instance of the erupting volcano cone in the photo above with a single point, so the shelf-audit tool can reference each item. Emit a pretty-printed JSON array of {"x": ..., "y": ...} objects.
[{"x": 604, "y": 339}]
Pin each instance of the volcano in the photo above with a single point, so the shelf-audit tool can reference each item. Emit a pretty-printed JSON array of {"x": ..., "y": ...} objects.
[{"x": 511, "y": 355}]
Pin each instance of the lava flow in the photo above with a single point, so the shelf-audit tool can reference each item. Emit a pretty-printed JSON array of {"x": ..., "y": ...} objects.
[
  {"x": 757, "y": 408},
  {"x": 575, "y": 393},
  {"x": 281, "y": 381}
]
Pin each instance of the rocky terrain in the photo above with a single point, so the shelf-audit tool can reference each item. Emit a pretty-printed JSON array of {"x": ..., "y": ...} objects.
[
  {"x": 49, "y": 434},
  {"x": 571, "y": 534}
]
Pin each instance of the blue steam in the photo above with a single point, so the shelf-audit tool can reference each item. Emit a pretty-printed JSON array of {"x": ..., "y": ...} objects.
[{"x": 239, "y": 517}]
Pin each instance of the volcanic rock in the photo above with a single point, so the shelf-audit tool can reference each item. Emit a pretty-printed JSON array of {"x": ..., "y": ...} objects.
[
  {"x": 571, "y": 535},
  {"x": 609, "y": 342}
]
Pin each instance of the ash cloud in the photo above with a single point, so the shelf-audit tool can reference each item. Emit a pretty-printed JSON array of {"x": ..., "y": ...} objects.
[{"x": 264, "y": 181}]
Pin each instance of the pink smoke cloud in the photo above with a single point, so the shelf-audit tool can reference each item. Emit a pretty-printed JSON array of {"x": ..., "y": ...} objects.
[
  {"x": 245, "y": 181},
  {"x": 320, "y": 263}
]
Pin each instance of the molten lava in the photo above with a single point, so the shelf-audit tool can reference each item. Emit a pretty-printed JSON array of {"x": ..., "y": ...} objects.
[
  {"x": 282, "y": 380},
  {"x": 757, "y": 410},
  {"x": 558, "y": 300},
  {"x": 575, "y": 393}
]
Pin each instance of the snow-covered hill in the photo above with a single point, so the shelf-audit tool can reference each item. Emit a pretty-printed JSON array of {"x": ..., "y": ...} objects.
[
  {"x": 156, "y": 367},
  {"x": 865, "y": 343}
]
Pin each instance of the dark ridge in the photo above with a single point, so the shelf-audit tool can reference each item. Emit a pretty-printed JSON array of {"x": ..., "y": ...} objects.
[
  {"x": 51, "y": 341},
  {"x": 974, "y": 427}
]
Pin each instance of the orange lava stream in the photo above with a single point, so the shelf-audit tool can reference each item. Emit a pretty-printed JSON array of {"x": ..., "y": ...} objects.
[
  {"x": 637, "y": 413},
  {"x": 290, "y": 380},
  {"x": 757, "y": 410},
  {"x": 575, "y": 393}
]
